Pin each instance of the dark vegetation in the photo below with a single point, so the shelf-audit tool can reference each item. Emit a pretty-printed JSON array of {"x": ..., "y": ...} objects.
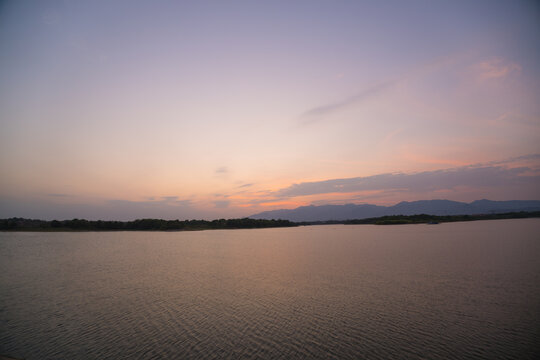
[
  {"x": 21, "y": 224},
  {"x": 426, "y": 219}
]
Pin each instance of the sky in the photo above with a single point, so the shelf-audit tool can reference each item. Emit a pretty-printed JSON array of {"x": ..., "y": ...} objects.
[{"x": 220, "y": 109}]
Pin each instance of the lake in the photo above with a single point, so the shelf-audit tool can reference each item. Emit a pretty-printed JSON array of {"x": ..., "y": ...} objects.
[{"x": 447, "y": 291}]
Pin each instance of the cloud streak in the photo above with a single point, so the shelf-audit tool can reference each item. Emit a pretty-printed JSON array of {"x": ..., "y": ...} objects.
[
  {"x": 313, "y": 114},
  {"x": 483, "y": 176}
]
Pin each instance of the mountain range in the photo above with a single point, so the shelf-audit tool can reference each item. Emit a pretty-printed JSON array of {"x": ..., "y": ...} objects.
[{"x": 430, "y": 207}]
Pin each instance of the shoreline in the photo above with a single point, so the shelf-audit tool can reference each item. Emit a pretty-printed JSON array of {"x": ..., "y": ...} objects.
[{"x": 81, "y": 225}]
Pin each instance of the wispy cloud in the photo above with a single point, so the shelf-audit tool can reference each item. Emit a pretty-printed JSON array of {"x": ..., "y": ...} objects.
[
  {"x": 495, "y": 68},
  {"x": 222, "y": 172},
  {"x": 313, "y": 114}
]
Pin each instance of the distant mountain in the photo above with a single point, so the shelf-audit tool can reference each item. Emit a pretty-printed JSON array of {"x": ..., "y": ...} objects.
[{"x": 430, "y": 207}]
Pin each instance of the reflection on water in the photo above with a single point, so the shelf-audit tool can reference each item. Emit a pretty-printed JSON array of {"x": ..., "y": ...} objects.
[{"x": 463, "y": 290}]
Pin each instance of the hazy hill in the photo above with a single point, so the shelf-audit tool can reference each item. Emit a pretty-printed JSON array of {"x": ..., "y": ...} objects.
[{"x": 431, "y": 207}]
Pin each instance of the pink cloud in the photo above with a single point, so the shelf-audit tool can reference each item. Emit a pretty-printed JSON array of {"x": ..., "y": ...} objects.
[{"x": 495, "y": 68}]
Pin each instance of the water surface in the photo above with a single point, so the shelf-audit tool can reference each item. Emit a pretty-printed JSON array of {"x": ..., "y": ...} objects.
[{"x": 460, "y": 290}]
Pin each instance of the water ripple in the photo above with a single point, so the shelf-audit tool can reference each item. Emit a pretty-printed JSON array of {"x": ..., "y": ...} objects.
[{"x": 344, "y": 292}]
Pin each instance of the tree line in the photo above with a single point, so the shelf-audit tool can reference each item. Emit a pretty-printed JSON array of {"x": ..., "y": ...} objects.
[
  {"x": 21, "y": 224},
  {"x": 426, "y": 219}
]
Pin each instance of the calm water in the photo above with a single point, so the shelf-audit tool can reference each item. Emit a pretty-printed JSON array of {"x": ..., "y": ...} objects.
[{"x": 463, "y": 290}]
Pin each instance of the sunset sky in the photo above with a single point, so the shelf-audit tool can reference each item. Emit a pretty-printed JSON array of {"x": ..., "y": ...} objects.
[{"x": 196, "y": 109}]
